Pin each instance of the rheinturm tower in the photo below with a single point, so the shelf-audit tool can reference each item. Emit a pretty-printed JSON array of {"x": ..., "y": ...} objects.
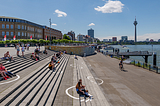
[{"x": 135, "y": 23}]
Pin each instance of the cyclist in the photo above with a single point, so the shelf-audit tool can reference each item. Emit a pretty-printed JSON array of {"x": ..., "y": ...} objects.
[{"x": 121, "y": 64}]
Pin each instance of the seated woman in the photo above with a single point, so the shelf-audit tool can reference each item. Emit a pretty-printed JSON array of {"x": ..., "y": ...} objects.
[
  {"x": 51, "y": 65},
  {"x": 33, "y": 56},
  {"x": 37, "y": 57},
  {"x": 8, "y": 73},
  {"x": 2, "y": 72},
  {"x": 81, "y": 89}
]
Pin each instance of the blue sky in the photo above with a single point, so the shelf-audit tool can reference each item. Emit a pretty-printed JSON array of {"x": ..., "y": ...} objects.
[{"x": 109, "y": 18}]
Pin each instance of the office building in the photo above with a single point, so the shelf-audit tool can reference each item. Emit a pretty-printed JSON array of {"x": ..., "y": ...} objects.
[
  {"x": 114, "y": 39},
  {"x": 55, "y": 34},
  {"x": 105, "y": 40},
  {"x": 23, "y": 29},
  {"x": 72, "y": 34},
  {"x": 124, "y": 38},
  {"x": 91, "y": 33},
  {"x": 80, "y": 37}
]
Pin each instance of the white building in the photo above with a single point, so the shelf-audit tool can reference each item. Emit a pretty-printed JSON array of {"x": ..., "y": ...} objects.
[{"x": 80, "y": 37}]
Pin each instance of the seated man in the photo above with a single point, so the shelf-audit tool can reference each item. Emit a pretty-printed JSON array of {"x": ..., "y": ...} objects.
[
  {"x": 3, "y": 72},
  {"x": 54, "y": 58},
  {"x": 58, "y": 55},
  {"x": 45, "y": 52},
  {"x": 76, "y": 57},
  {"x": 7, "y": 56},
  {"x": 33, "y": 56},
  {"x": 51, "y": 65},
  {"x": 81, "y": 91},
  {"x": 36, "y": 51}
]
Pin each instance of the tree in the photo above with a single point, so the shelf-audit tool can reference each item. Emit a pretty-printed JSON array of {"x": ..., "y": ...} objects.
[
  {"x": 7, "y": 41},
  {"x": 1, "y": 42},
  {"x": 66, "y": 37},
  {"x": 41, "y": 41},
  {"x": 23, "y": 40}
]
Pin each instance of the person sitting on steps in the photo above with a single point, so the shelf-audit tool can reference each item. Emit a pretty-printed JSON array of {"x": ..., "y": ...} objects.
[
  {"x": 54, "y": 58},
  {"x": 2, "y": 72},
  {"x": 36, "y": 51},
  {"x": 45, "y": 52},
  {"x": 8, "y": 73},
  {"x": 81, "y": 89},
  {"x": 51, "y": 65},
  {"x": 7, "y": 56}
]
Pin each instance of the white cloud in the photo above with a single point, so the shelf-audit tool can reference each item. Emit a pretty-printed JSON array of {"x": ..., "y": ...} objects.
[
  {"x": 60, "y": 13},
  {"x": 54, "y": 24},
  {"x": 111, "y": 7},
  {"x": 91, "y": 24}
]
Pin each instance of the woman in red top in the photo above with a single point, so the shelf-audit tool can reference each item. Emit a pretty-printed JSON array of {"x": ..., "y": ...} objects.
[{"x": 2, "y": 72}]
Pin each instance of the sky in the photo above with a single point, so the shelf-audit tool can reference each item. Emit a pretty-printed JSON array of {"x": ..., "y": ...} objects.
[{"x": 108, "y": 18}]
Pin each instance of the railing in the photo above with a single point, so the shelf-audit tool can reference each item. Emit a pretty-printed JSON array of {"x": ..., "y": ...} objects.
[
  {"x": 146, "y": 66},
  {"x": 140, "y": 64}
]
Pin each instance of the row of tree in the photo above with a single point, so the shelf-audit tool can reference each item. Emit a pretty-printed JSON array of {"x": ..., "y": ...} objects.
[{"x": 39, "y": 41}]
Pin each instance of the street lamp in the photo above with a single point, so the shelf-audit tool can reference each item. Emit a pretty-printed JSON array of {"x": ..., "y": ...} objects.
[{"x": 50, "y": 30}]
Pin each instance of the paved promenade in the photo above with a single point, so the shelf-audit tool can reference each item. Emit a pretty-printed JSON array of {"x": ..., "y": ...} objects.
[
  {"x": 133, "y": 87},
  {"x": 13, "y": 51}
]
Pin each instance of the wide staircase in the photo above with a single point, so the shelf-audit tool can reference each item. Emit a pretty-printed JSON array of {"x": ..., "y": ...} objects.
[{"x": 39, "y": 87}]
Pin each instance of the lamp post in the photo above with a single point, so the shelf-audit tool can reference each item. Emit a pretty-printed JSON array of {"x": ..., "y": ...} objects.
[
  {"x": 50, "y": 30},
  {"x": 135, "y": 23}
]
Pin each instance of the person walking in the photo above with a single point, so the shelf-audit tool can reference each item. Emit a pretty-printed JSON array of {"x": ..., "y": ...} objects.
[
  {"x": 23, "y": 49},
  {"x": 18, "y": 49}
]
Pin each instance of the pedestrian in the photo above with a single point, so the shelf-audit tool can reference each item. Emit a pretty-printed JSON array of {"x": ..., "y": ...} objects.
[
  {"x": 18, "y": 49},
  {"x": 28, "y": 46},
  {"x": 23, "y": 49},
  {"x": 39, "y": 45}
]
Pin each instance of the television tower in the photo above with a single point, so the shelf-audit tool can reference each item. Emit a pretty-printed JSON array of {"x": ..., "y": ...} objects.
[{"x": 135, "y": 23}]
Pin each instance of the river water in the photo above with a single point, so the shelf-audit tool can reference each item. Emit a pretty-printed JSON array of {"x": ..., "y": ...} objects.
[{"x": 149, "y": 48}]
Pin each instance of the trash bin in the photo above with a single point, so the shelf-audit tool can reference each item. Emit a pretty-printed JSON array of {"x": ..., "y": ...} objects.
[{"x": 111, "y": 56}]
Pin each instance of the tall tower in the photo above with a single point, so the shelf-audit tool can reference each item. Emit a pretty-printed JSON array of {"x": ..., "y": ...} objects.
[
  {"x": 135, "y": 23},
  {"x": 91, "y": 33}
]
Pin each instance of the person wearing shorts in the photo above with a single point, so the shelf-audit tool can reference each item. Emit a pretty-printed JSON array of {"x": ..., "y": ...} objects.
[
  {"x": 18, "y": 49},
  {"x": 23, "y": 49}
]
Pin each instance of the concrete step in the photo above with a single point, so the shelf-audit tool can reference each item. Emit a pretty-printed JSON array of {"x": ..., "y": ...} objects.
[
  {"x": 46, "y": 90},
  {"x": 28, "y": 89},
  {"x": 36, "y": 95},
  {"x": 53, "y": 94},
  {"x": 82, "y": 72}
]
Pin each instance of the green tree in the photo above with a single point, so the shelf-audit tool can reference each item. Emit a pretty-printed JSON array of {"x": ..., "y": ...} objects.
[
  {"x": 41, "y": 41},
  {"x": 14, "y": 41},
  {"x": 23, "y": 40},
  {"x": 66, "y": 37},
  {"x": 7, "y": 41},
  {"x": 1, "y": 42}
]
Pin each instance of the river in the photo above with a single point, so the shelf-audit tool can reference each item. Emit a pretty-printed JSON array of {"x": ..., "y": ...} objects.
[{"x": 149, "y": 48}]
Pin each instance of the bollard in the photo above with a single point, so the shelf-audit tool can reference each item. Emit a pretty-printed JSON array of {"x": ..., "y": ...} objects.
[
  {"x": 154, "y": 59},
  {"x": 149, "y": 67},
  {"x": 156, "y": 69}
]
